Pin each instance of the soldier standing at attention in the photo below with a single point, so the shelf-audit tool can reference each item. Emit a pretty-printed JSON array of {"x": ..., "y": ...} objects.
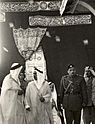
[{"x": 73, "y": 95}]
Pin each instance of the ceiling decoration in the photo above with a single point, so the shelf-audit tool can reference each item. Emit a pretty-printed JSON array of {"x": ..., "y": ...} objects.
[
  {"x": 27, "y": 7},
  {"x": 49, "y": 6},
  {"x": 59, "y": 21},
  {"x": 37, "y": 6}
]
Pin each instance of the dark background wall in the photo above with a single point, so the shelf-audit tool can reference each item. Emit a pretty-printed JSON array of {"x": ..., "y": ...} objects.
[
  {"x": 58, "y": 54},
  {"x": 69, "y": 50}
]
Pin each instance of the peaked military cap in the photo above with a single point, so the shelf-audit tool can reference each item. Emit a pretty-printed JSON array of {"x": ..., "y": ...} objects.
[{"x": 70, "y": 66}]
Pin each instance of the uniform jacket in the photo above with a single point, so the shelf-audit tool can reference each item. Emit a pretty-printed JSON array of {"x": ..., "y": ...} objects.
[{"x": 73, "y": 97}]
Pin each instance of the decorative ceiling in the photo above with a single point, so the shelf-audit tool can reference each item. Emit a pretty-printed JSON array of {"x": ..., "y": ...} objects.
[{"x": 44, "y": 5}]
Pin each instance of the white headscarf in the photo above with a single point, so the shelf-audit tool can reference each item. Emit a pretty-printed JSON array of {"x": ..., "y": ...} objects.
[
  {"x": 15, "y": 72},
  {"x": 9, "y": 94},
  {"x": 41, "y": 76}
]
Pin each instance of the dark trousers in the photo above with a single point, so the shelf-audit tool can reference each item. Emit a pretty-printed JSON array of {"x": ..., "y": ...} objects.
[
  {"x": 89, "y": 115},
  {"x": 72, "y": 116}
]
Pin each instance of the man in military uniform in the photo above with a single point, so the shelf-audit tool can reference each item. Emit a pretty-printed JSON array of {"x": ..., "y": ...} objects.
[{"x": 73, "y": 95}]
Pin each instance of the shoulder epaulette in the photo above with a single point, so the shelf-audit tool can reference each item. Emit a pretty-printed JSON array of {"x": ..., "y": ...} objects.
[{"x": 65, "y": 76}]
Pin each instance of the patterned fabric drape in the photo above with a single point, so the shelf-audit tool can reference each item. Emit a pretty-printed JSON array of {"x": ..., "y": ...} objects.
[
  {"x": 27, "y": 40},
  {"x": 37, "y": 60}
]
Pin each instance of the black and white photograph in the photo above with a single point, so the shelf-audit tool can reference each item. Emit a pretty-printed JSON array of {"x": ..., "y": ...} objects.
[{"x": 47, "y": 61}]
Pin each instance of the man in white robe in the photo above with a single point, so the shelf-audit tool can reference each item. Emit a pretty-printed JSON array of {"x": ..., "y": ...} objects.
[
  {"x": 38, "y": 106},
  {"x": 11, "y": 101}
]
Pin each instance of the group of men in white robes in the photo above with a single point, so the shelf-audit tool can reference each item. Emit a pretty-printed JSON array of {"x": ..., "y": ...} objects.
[{"x": 32, "y": 107}]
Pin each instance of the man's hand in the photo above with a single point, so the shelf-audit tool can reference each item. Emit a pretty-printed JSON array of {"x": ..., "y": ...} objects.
[
  {"x": 28, "y": 109},
  {"x": 20, "y": 92},
  {"x": 92, "y": 71},
  {"x": 42, "y": 99},
  {"x": 84, "y": 105}
]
